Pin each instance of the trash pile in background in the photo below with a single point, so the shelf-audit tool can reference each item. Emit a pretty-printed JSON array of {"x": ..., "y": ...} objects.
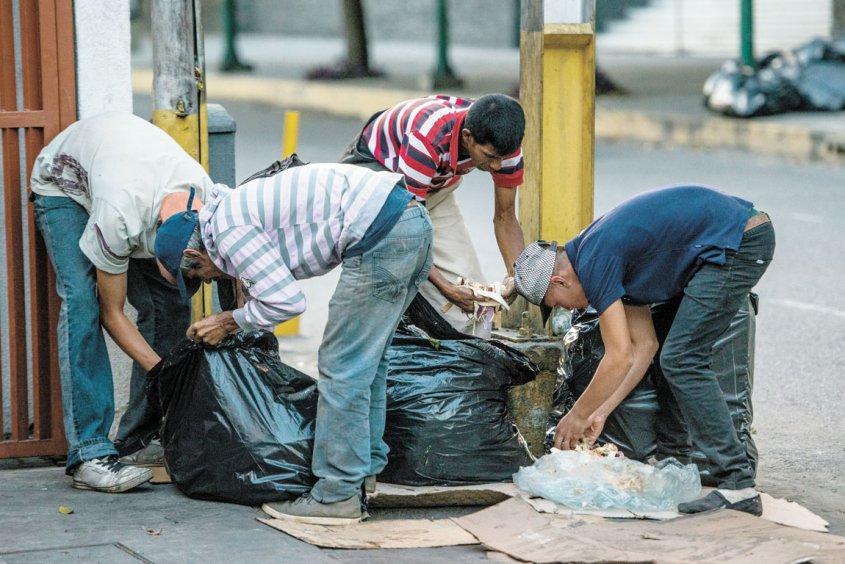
[{"x": 811, "y": 77}]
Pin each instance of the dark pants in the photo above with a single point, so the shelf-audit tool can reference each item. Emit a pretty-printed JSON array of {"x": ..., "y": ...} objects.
[
  {"x": 357, "y": 152},
  {"x": 163, "y": 321},
  {"x": 711, "y": 300}
]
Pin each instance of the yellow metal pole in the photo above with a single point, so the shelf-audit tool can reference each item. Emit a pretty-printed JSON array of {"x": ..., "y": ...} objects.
[
  {"x": 290, "y": 137},
  {"x": 557, "y": 91},
  {"x": 568, "y": 149}
]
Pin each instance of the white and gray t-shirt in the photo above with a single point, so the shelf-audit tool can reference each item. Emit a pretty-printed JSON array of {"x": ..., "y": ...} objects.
[{"x": 118, "y": 167}]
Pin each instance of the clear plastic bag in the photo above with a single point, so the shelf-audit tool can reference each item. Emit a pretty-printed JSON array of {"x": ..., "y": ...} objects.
[{"x": 583, "y": 481}]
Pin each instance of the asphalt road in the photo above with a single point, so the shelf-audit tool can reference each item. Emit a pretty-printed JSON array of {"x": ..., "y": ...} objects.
[{"x": 801, "y": 325}]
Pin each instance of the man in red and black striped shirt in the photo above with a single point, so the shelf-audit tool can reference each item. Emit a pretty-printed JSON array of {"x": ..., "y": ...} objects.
[{"x": 433, "y": 142}]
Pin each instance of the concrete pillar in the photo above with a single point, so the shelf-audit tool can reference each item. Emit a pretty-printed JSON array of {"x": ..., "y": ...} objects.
[
  {"x": 103, "y": 63},
  {"x": 530, "y": 404},
  {"x": 838, "y": 19}
]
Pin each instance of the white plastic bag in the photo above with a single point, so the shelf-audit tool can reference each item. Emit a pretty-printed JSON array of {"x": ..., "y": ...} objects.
[{"x": 581, "y": 480}]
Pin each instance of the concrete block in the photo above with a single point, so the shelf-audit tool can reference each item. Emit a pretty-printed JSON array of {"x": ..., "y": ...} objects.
[{"x": 530, "y": 404}]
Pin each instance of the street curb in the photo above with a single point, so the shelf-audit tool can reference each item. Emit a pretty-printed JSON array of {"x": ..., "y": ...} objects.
[
  {"x": 709, "y": 133},
  {"x": 659, "y": 129},
  {"x": 336, "y": 99}
]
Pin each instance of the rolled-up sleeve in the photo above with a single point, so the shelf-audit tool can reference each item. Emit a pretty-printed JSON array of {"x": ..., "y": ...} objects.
[
  {"x": 106, "y": 241},
  {"x": 510, "y": 175}
]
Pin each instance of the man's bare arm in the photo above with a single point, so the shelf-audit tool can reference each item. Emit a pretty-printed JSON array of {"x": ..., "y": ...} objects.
[
  {"x": 111, "y": 289},
  {"x": 508, "y": 232}
]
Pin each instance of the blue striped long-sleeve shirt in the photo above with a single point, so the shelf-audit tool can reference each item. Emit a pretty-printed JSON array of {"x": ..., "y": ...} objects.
[{"x": 273, "y": 231}]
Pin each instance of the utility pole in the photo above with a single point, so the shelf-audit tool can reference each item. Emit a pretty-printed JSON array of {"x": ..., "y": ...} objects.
[
  {"x": 746, "y": 33},
  {"x": 179, "y": 75},
  {"x": 231, "y": 61},
  {"x": 838, "y": 27},
  {"x": 443, "y": 77},
  {"x": 179, "y": 106},
  {"x": 557, "y": 67}
]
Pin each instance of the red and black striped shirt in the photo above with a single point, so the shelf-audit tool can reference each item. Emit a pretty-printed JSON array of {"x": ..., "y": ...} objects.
[{"x": 420, "y": 139}]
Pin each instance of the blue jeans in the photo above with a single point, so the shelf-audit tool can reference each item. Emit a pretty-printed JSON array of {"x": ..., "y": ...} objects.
[
  {"x": 85, "y": 370},
  {"x": 373, "y": 292},
  {"x": 711, "y": 300}
]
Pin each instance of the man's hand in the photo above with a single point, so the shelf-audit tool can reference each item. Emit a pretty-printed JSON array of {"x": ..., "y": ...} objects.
[
  {"x": 570, "y": 430},
  {"x": 213, "y": 329},
  {"x": 462, "y": 297},
  {"x": 509, "y": 289}
]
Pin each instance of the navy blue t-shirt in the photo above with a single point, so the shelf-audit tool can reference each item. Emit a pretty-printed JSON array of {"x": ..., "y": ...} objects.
[{"x": 647, "y": 248}]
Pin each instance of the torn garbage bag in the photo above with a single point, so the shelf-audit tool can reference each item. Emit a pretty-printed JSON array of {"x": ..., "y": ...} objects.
[
  {"x": 447, "y": 416},
  {"x": 644, "y": 424},
  {"x": 581, "y": 480},
  {"x": 238, "y": 424}
]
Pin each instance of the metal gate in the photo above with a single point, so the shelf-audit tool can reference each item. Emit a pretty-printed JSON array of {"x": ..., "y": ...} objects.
[{"x": 37, "y": 100}]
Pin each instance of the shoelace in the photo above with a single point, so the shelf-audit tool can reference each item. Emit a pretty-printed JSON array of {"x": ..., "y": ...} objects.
[{"x": 110, "y": 462}]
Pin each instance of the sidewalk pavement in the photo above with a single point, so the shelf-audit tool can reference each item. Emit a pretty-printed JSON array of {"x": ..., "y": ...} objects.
[{"x": 663, "y": 105}]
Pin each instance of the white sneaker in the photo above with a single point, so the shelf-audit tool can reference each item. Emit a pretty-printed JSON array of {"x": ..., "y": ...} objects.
[
  {"x": 150, "y": 455},
  {"x": 108, "y": 474}
]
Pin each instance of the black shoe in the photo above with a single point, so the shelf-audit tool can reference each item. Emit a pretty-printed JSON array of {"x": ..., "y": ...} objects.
[{"x": 715, "y": 500}]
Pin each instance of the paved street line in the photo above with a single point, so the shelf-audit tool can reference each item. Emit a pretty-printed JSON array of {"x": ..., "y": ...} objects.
[{"x": 809, "y": 307}]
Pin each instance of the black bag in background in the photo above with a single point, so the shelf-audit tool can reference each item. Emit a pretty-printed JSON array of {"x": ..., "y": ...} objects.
[
  {"x": 637, "y": 426},
  {"x": 447, "y": 416},
  {"x": 238, "y": 423}
]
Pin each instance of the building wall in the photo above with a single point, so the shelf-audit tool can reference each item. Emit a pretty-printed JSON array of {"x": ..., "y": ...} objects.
[
  {"x": 102, "y": 56},
  {"x": 103, "y": 83},
  {"x": 712, "y": 28}
]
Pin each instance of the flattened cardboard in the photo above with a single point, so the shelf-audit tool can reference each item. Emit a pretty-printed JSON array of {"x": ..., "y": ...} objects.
[
  {"x": 405, "y": 533},
  {"x": 791, "y": 514},
  {"x": 395, "y": 495},
  {"x": 546, "y": 506},
  {"x": 515, "y": 528},
  {"x": 160, "y": 475}
]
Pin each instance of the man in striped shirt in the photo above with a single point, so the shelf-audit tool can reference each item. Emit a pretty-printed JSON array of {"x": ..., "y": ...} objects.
[
  {"x": 433, "y": 142},
  {"x": 299, "y": 223}
]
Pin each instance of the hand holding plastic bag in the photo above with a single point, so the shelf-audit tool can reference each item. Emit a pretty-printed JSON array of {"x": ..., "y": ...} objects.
[{"x": 581, "y": 480}]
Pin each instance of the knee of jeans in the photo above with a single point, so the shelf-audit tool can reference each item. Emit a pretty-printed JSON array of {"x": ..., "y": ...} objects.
[
  {"x": 82, "y": 302},
  {"x": 671, "y": 361}
]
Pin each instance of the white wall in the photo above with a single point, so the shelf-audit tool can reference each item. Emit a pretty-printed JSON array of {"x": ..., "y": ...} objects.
[
  {"x": 711, "y": 28},
  {"x": 103, "y": 80}
]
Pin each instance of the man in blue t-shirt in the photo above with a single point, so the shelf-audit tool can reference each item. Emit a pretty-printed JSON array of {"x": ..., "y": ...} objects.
[{"x": 692, "y": 242}]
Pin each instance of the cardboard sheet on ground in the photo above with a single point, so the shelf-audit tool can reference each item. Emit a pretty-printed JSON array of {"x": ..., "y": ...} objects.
[
  {"x": 517, "y": 529},
  {"x": 404, "y": 533},
  {"x": 395, "y": 495}
]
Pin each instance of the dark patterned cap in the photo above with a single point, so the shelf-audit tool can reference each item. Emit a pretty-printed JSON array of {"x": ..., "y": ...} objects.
[{"x": 533, "y": 270}]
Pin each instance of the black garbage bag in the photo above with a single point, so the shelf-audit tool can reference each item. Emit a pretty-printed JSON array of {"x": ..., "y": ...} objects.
[
  {"x": 238, "y": 424},
  {"x": 638, "y": 425},
  {"x": 740, "y": 91},
  {"x": 447, "y": 416},
  {"x": 811, "y": 77},
  {"x": 632, "y": 424}
]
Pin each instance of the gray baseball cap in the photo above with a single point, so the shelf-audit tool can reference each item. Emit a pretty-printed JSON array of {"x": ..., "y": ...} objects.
[{"x": 533, "y": 271}]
